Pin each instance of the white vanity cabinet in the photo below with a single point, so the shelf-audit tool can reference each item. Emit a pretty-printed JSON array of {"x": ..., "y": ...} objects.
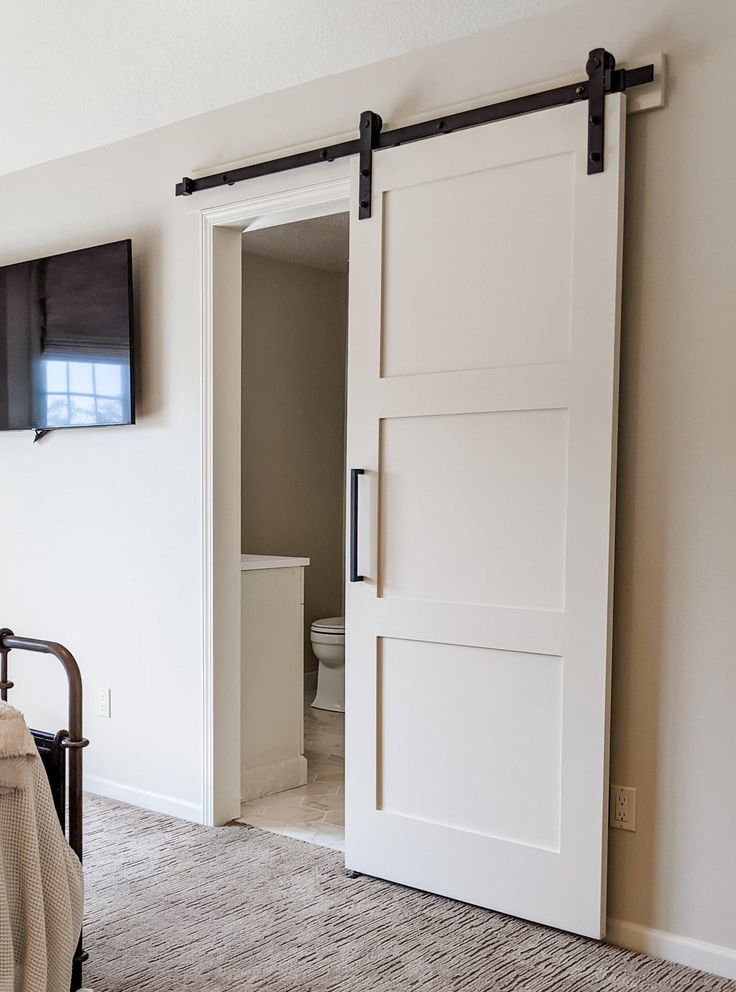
[{"x": 272, "y": 675}]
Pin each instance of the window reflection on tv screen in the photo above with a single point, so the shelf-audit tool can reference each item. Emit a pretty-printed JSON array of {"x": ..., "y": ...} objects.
[{"x": 66, "y": 341}]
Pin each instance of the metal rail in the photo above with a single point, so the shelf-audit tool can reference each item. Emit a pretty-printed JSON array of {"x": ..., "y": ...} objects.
[
  {"x": 603, "y": 78},
  {"x": 71, "y": 739}
]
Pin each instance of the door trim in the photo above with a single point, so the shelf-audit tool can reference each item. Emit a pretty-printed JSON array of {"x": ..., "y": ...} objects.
[{"x": 284, "y": 199}]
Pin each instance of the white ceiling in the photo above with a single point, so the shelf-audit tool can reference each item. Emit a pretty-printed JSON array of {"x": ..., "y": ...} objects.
[
  {"x": 76, "y": 74},
  {"x": 321, "y": 242}
]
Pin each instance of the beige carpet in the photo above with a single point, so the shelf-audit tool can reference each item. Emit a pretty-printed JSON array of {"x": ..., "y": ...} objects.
[{"x": 173, "y": 907}]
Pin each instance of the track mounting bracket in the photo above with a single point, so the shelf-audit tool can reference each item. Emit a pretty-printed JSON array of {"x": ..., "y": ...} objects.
[
  {"x": 370, "y": 128},
  {"x": 600, "y": 68}
]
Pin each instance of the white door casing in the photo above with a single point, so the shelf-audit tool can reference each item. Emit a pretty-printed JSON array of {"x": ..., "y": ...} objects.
[
  {"x": 482, "y": 385},
  {"x": 271, "y": 200}
]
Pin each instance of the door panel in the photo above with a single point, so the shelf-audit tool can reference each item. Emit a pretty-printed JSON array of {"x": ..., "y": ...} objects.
[
  {"x": 482, "y": 392},
  {"x": 501, "y": 721},
  {"x": 514, "y": 495},
  {"x": 431, "y": 323}
]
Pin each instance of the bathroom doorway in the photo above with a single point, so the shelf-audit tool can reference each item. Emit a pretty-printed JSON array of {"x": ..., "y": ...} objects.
[{"x": 294, "y": 339}]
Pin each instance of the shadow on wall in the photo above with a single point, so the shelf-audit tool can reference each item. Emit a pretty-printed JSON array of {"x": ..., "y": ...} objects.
[
  {"x": 148, "y": 318},
  {"x": 642, "y": 539}
]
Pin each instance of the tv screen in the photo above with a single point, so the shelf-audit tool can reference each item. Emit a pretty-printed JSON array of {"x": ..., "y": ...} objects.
[{"x": 66, "y": 340}]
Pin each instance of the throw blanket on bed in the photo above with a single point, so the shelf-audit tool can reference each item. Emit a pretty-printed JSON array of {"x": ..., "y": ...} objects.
[{"x": 41, "y": 889}]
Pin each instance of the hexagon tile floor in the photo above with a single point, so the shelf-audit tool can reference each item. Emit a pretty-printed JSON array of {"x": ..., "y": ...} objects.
[{"x": 314, "y": 812}]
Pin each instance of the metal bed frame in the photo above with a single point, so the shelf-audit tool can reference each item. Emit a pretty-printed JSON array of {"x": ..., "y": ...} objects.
[{"x": 62, "y": 770}]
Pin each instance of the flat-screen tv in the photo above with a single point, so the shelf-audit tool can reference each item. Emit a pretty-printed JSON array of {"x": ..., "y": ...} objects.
[{"x": 66, "y": 340}]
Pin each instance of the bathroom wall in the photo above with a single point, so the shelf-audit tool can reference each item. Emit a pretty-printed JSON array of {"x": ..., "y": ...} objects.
[
  {"x": 293, "y": 439},
  {"x": 101, "y": 530}
]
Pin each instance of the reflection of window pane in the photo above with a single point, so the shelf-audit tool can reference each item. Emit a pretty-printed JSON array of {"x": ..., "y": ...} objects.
[
  {"x": 80, "y": 377},
  {"x": 82, "y": 409},
  {"x": 55, "y": 377},
  {"x": 81, "y": 394},
  {"x": 57, "y": 411},
  {"x": 109, "y": 411},
  {"x": 107, "y": 380}
]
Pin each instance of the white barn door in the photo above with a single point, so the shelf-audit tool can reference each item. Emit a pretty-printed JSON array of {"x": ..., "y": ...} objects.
[{"x": 482, "y": 385}]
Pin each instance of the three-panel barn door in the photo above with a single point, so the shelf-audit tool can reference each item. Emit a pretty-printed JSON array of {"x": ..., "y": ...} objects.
[{"x": 482, "y": 383}]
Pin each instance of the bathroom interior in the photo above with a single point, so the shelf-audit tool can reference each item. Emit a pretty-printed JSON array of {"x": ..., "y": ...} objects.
[{"x": 295, "y": 295}]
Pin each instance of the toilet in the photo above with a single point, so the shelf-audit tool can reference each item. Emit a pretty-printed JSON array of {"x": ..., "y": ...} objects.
[{"x": 328, "y": 645}]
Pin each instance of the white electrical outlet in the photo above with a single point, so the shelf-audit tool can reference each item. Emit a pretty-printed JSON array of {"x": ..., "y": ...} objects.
[
  {"x": 622, "y": 808},
  {"x": 103, "y": 703}
]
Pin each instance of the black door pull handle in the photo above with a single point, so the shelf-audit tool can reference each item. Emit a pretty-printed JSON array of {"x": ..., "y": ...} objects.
[{"x": 355, "y": 473}]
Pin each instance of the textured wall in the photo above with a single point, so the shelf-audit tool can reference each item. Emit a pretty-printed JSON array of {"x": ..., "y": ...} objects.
[{"x": 79, "y": 75}]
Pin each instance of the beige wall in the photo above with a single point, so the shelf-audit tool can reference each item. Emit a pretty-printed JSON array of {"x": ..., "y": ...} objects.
[
  {"x": 293, "y": 440},
  {"x": 102, "y": 529}
]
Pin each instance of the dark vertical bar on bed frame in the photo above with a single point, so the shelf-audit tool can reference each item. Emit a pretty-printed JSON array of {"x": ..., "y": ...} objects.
[
  {"x": 4, "y": 683},
  {"x": 72, "y": 740}
]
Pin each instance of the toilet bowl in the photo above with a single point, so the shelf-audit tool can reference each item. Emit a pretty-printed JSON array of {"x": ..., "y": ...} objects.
[{"x": 328, "y": 645}]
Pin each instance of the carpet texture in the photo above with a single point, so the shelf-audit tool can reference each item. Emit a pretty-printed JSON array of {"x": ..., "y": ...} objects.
[{"x": 175, "y": 907}]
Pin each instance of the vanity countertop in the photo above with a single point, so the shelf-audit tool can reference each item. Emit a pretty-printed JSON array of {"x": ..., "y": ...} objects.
[{"x": 253, "y": 563}]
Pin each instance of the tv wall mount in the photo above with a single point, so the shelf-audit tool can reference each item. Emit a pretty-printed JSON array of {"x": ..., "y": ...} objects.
[{"x": 602, "y": 78}]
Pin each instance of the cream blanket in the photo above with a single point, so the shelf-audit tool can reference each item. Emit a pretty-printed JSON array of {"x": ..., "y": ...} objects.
[{"x": 41, "y": 888}]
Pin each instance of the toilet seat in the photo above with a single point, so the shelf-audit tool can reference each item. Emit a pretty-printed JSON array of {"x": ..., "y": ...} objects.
[{"x": 330, "y": 625}]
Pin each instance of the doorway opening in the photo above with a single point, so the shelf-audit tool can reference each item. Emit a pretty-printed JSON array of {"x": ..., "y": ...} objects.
[{"x": 294, "y": 343}]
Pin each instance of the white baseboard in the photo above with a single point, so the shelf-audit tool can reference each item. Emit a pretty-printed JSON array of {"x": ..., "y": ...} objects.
[
  {"x": 277, "y": 776},
  {"x": 310, "y": 681},
  {"x": 155, "y": 801},
  {"x": 672, "y": 947}
]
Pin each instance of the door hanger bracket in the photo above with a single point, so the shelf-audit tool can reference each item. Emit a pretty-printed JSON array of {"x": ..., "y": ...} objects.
[
  {"x": 370, "y": 128},
  {"x": 600, "y": 67}
]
